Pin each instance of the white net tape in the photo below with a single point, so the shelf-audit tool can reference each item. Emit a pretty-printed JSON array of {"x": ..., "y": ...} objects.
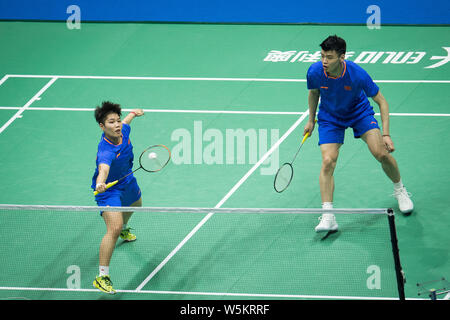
[{"x": 197, "y": 210}]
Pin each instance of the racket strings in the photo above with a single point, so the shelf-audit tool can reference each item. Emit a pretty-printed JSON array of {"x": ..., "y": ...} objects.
[
  {"x": 283, "y": 177},
  {"x": 154, "y": 158}
]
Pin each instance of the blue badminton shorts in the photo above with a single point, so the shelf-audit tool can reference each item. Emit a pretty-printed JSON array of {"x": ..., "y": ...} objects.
[
  {"x": 120, "y": 196},
  {"x": 333, "y": 131}
]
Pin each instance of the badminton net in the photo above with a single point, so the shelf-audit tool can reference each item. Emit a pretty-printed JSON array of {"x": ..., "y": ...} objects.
[{"x": 51, "y": 252}]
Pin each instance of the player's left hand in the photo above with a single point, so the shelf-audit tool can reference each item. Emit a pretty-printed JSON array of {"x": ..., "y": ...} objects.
[
  {"x": 388, "y": 144},
  {"x": 138, "y": 112}
]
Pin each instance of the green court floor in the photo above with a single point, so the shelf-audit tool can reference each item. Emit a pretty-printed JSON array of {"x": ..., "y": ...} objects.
[{"x": 199, "y": 84}]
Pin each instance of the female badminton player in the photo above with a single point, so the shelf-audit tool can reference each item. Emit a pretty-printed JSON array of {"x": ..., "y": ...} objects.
[{"x": 114, "y": 160}]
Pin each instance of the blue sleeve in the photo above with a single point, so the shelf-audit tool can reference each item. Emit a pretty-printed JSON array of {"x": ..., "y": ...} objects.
[
  {"x": 126, "y": 129},
  {"x": 369, "y": 87},
  {"x": 105, "y": 157},
  {"x": 311, "y": 79}
]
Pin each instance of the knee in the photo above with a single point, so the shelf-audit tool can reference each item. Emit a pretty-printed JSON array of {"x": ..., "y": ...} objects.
[
  {"x": 115, "y": 230},
  {"x": 328, "y": 162},
  {"x": 381, "y": 155}
]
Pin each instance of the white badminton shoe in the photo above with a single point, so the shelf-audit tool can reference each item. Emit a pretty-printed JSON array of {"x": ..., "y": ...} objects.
[
  {"x": 327, "y": 223},
  {"x": 404, "y": 201}
]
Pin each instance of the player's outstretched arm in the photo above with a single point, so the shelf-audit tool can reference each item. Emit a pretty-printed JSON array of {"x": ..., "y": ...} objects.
[{"x": 133, "y": 114}]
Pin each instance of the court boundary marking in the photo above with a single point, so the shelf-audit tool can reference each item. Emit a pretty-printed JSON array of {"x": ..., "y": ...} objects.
[
  {"x": 222, "y": 201},
  {"x": 53, "y": 79},
  {"x": 7, "y": 76},
  {"x": 223, "y": 294},
  {"x": 28, "y": 104},
  {"x": 146, "y": 109},
  {"x": 56, "y": 77}
]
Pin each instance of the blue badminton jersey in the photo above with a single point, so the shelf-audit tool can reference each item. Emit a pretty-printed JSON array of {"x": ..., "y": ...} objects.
[
  {"x": 342, "y": 99},
  {"x": 118, "y": 157}
]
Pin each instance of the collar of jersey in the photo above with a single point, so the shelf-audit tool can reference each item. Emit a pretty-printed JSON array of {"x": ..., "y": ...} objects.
[
  {"x": 121, "y": 140},
  {"x": 343, "y": 72}
]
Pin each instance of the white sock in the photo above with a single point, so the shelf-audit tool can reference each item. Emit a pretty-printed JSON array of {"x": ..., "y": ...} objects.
[
  {"x": 103, "y": 271},
  {"x": 327, "y": 205},
  {"x": 398, "y": 185}
]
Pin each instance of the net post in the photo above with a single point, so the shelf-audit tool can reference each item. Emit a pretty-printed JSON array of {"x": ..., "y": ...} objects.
[
  {"x": 433, "y": 294},
  {"x": 398, "y": 268}
]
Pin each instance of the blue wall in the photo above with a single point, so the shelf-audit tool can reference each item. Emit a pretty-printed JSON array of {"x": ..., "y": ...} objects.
[{"x": 232, "y": 11}]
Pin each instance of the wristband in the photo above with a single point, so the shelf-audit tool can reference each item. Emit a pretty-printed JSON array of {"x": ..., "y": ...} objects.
[
  {"x": 133, "y": 113},
  {"x": 386, "y": 135}
]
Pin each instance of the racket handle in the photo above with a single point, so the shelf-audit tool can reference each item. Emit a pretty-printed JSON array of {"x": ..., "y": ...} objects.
[
  {"x": 306, "y": 136},
  {"x": 109, "y": 185}
]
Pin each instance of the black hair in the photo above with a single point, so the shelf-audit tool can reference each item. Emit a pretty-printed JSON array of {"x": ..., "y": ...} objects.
[
  {"x": 334, "y": 43},
  {"x": 107, "y": 107}
]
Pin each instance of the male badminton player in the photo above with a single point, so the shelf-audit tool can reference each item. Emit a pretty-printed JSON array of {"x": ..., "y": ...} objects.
[
  {"x": 114, "y": 161},
  {"x": 343, "y": 88}
]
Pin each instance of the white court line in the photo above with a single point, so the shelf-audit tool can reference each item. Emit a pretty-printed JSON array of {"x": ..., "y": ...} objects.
[
  {"x": 201, "y": 78},
  {"x": 4, "y": 79},
  {"x": 25, "y": 107},
  {"x": 226, "y": 294},
  {"x": 406, "y": 114},
  {"x": 162, "y": 110},
  {"x": 155, "y": 78},
  {"x": 221, "y": 202},
  {"x": 418, "y": 114}
]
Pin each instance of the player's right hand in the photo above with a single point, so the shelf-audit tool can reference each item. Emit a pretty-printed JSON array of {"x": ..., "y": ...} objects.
[
  {"x": 309, "y": 127},
  {"x": 100, "y": 187}
]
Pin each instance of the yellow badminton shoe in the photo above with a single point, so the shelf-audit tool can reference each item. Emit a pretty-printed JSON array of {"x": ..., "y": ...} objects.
[
  {"x": 104, "y": 284},
  {"x": 126, "y": 235}
]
